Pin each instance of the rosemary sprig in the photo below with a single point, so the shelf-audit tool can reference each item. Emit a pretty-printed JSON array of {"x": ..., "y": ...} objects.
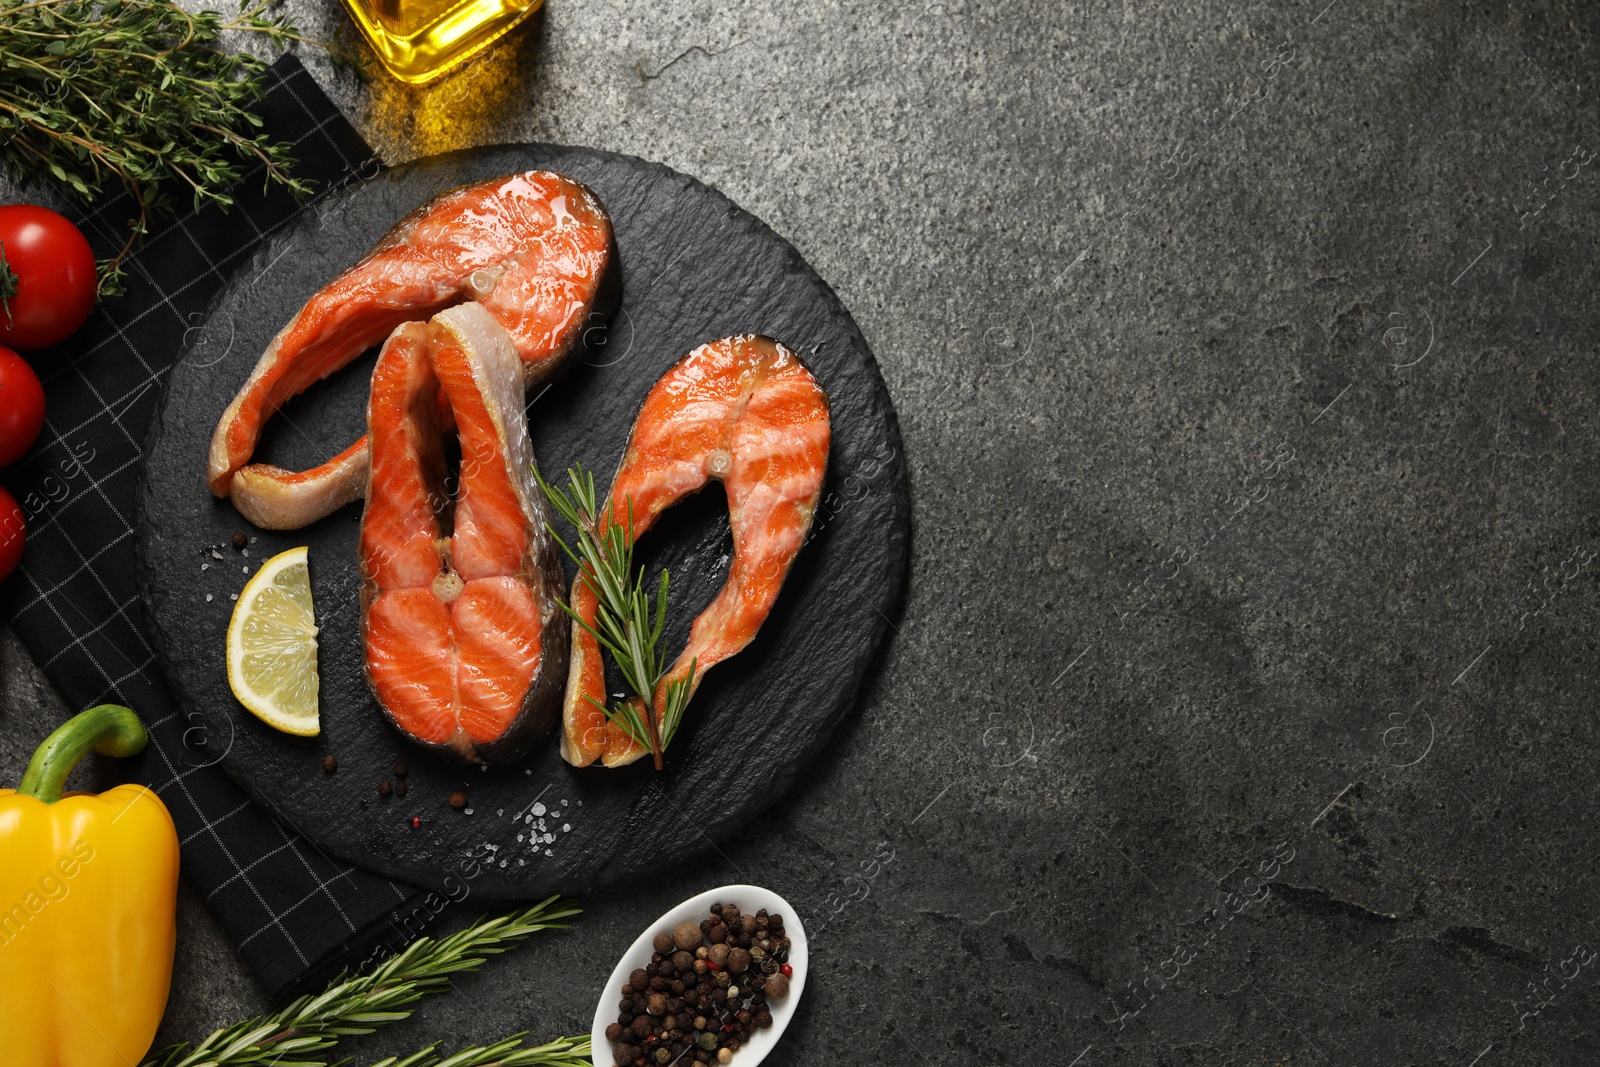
[
  {"x": 625, "y": 624},
  {"x": 360, "y": 1004},
  {"x": 562, "y": 1052},
  {"x": 135, "y": 93}
]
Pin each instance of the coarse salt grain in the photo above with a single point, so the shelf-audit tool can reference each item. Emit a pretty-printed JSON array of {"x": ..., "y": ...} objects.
[
  {"x": 205, "y": 566},
  {"x": 208, "y": 598},
  {"x": 500, "y": 813},
  {"x": 538, "y": 809},
  {"x": 547, "y": 852},
  {"x": 233, "y": 596},
  {"x": 566, "y": 828},
  {"x": 469, "y": 811}
]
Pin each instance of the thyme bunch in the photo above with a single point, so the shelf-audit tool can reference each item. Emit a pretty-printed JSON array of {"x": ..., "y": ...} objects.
[
  {"x": 135, "y": 93},
  {"x": 625, "y": 624},
  {"x": 359, "y": 1004}
]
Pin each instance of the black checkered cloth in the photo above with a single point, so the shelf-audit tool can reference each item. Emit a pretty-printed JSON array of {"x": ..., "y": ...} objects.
[{"x": 295, "y": 913}]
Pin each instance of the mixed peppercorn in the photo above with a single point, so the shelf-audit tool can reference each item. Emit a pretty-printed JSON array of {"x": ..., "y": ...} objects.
[{"x": 704, "y": 991}]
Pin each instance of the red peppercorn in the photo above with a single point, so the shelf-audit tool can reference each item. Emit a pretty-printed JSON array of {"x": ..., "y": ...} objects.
[
  {"x": 712, "y": 966},
  {"x": 787, "y": 970},
  {"x": 727, "y": 1028},
  {"x": 415, "y": 822}
]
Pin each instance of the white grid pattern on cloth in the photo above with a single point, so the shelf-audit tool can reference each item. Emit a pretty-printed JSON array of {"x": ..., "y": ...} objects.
[{"x": 75, "y": 604}]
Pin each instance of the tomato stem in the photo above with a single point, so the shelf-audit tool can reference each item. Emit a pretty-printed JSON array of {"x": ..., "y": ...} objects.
[{"x": 8, "y": 284}]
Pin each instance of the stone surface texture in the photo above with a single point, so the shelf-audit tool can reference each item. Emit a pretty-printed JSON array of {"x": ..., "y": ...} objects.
[{"x": 1241, "y": 709}]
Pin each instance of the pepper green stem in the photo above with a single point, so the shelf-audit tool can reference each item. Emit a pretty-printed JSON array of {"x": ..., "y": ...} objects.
[{"x": 109, "y": 729}]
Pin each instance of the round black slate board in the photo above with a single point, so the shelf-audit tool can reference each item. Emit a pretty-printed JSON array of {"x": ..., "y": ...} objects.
[{"x": 695, "y": 268}]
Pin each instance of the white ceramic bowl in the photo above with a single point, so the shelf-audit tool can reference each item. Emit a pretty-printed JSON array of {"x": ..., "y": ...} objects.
[{"x": 750, "y": 899}]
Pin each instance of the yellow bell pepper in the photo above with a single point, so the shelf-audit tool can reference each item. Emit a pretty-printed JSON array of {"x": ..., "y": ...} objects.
[{"x": 88, "y": 895}]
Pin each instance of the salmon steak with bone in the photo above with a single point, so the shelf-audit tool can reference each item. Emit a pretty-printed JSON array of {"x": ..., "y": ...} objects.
[
  {"x": 534, "y": 250},
  {"x": 465, "y": 642}
]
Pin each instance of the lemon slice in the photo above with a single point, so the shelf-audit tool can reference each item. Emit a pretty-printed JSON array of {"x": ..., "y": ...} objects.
[{"x": 272, "y": 646}]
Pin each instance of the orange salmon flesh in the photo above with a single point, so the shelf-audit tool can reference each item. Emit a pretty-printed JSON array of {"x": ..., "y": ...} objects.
[
  {"x": 744, "y": 411},
  {"x": 533, "y": 249},
  {"x": 465, "y": 644}
]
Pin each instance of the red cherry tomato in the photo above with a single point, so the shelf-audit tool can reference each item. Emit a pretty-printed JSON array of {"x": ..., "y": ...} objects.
[
  {"x": 21, "y": 406},
  {"x": 13, "y": 532},
  {"x": 48, "y": 279}
]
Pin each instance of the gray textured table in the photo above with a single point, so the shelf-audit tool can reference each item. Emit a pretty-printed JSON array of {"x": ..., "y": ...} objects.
[{"x": 1241, "y": 711}]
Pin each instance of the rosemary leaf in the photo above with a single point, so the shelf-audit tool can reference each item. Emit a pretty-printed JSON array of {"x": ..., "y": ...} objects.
[
  {"x": 562, "y": 1052},
  {"x": 624, "y": 624},
  {"x": 359, "y": 1004}
]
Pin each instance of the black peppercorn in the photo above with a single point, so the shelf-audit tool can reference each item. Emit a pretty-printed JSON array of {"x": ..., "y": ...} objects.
[
  {"x": 458, "y": 799},
  {"x": 399, "y": 770},
  {"x": 638, "y": 979},
  {"x": 613, "y": 1032},
  {"x": 687, "y": 936},
  {"x": 641, "y": 1026},
  {"x": 738, "y": 961},
  {"x": 384, "y": 788},
  {"x": 330, "y": 763},
  {"x": 718, "y": 934},
  {"x": 400, "y": 788},
  {"x": 240, "y": 541}
]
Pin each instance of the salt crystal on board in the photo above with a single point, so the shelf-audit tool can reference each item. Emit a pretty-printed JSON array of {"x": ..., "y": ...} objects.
[
  {"x": 566, "y": 828},
  {"x": 538, "y": 809},
  {"x": 208, "y": 598}
]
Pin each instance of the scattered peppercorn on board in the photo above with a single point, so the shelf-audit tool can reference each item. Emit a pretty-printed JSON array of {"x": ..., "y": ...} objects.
[{"x": 695, "y": 267}]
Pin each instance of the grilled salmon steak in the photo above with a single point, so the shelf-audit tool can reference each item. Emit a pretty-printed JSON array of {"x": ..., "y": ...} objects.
[
  {"x": 534, "y": 249},
  {"x": 466, "y": 645},
  {"x": 746, "y": 412}
]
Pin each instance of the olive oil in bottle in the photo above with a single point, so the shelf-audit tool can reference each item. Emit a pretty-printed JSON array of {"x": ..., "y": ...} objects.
[{"x": 418, "y": 40}]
